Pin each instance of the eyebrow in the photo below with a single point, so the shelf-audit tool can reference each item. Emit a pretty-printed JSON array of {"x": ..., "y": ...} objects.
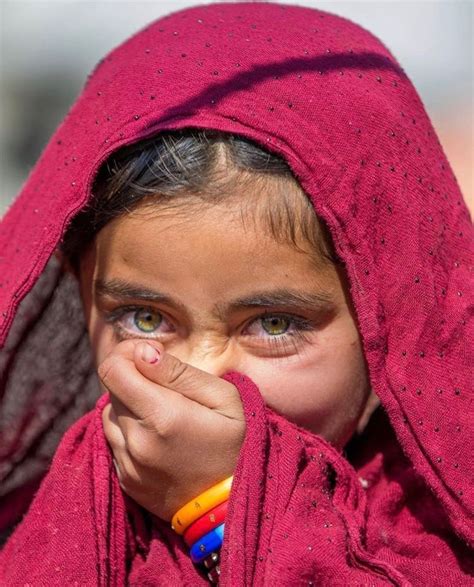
[{"x": 291, "y": 299}]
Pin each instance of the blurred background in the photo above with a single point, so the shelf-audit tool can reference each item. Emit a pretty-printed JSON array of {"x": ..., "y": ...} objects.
[{"x": 47, "y": 49}]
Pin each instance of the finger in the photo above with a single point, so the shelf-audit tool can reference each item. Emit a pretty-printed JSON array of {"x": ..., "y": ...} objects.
[
  {"x": 168, "y": 371},
  {"x": 112, "y": 430},
  {"x": 141, "y": 448},
  {"x": 145, "y": 399},
  {"x": 125, "y": 467},
  {"x": 121, "y": 376},
  {"x": 125, "y": 418}
]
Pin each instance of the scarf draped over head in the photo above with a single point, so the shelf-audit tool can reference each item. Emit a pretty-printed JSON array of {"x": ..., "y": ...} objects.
[{"x": 330, "y": 98}]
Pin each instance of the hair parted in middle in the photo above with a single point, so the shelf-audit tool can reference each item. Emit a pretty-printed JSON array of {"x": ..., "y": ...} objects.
[{"x": 199, "y": 167}]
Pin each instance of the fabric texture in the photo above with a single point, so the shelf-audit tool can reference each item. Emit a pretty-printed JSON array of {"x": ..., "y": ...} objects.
[{"x": 397, "y": 506}]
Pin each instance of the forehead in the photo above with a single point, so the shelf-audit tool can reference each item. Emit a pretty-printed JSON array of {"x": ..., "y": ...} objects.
[
  {"x": 263, "y": 205},
  {"x": 189, "y": 229},
  {"x": 210, "y": 249}
]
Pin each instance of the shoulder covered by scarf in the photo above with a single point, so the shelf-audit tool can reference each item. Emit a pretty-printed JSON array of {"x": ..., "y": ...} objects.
[{"x": 331, "y": 99}]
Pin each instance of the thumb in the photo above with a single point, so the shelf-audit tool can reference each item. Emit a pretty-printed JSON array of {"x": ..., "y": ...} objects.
[{"x": 168, "y": 371}]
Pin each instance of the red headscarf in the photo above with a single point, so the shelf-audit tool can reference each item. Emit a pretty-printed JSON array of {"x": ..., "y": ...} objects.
[{"x": 331, "y": 99}]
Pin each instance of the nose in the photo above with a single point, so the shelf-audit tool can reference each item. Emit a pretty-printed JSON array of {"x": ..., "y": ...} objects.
[{"x": 214, "y": 358}]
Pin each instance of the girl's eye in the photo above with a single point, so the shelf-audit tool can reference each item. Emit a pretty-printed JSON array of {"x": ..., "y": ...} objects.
[
  {"x": 147, "y": 321},
  {"x": 280, "y": 333},
  {"x": 136, "y": 322},
  {"x": 275, "y": 324}
]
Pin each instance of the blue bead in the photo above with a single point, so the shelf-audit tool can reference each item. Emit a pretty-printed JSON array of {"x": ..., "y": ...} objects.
[{"x": 207, "y": 544}]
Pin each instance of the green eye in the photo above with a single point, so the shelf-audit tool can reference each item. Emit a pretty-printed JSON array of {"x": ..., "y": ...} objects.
[
  {"x": 147, "y": 321},
  {"x": 275, "y": 324}
]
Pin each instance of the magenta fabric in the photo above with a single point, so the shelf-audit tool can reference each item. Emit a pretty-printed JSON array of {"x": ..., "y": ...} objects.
[{"x": 328, "y": 96}]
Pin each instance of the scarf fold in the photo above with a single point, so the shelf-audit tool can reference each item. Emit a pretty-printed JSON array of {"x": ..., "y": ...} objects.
[{"x": 297, "y": 514}]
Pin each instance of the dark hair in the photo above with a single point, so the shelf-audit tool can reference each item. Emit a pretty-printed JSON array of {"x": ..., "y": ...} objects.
[{"x": 199, "y": 167}]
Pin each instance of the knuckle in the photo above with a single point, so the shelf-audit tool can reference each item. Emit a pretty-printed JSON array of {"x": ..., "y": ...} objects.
[
  {"x": 120, "y": 353},
  {"x": 160, "y": 423},
  {"x": 136, "y": 447},
  {"x": 230, "y": 401},
  {"x": 176, "y": 371},
  {"x": 230, "y": 392},
  {"x": 129, "y": 479},
  {"x": 111, "y": 438},
  {"x": 106, "y": 369},
  {"x": 144, "y": 443},
  {"x": 165, "y": 424}
]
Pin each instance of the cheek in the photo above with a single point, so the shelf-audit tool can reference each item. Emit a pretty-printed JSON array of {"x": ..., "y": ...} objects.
[{"x": 323, "y": 390}]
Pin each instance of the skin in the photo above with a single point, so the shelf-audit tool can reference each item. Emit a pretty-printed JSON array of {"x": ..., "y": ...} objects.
[{"x": 166, "y": 410}]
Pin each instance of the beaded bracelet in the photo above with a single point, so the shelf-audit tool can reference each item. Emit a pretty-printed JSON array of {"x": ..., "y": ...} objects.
[
  {"x": 214, "y": 574},
  {"x": 202, "y": 504},
  {"x": 213, "y": 568},
  {"x": 207, "y": 544},
  {"x": 211, "y": 561},
  {"x": 205, "y": 523}
]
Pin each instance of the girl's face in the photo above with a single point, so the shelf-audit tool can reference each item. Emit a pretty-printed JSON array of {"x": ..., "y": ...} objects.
[{"x": 222, "y": 296}]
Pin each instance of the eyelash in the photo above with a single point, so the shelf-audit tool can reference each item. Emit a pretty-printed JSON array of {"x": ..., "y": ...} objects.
[{"x": 280, "y": 342}]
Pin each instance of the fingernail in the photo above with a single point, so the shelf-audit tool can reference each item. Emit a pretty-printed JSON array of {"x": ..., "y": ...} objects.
[{"x": 149, "y": 353}]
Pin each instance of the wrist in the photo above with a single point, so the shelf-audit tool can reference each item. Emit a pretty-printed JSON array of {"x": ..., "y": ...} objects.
[{"x": 201, "y": 522}]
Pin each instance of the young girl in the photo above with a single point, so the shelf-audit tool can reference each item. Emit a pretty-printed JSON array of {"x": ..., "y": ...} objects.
[{"x": 247, "y": 228}]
